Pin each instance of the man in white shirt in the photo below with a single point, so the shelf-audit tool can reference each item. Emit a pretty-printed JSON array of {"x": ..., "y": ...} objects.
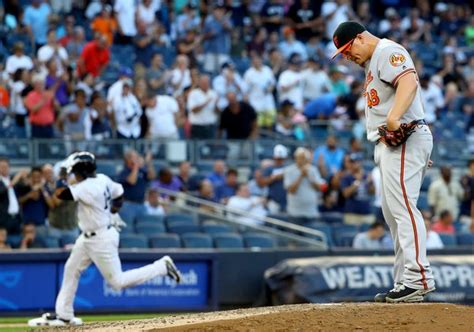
[
  {"x": 433, "y": 98},
  {"x": 18, "y": 60},
  {"x": 53, "y": 50},
  {"x": 125, "y": 13},
  {"x": 290, "y": 83},
  {"x": 115, "y": 89},
  {"x": 251, "y": 205},
  {"x": 433, "y": 240},
  {"x": 203, "y": 112},
  {"x": 180, "y": 76},
  {"x": 228, "y": 81},
  {"x": 260, "y": 83},
  {"x": 127, "y": 112},
  {"x": 9, "y": 207},
  {"x": 315, "y": 80},
  {"x": 162, "y": 113}
]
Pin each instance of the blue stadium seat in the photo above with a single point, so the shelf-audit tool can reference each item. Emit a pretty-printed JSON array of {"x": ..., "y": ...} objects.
[
  {"x": 259, "y": 240},
  {"x": 343, "y": 228},
  {"x": 216, "y": 228},
  {"x": 465, "y": 239},
  {"x": 128, "y": 216},
  {"x": 326, "y": 229},
  {"x": 180, "y": 227},
  {"x": 228, "y": 241},
  {"x": 146, "y": 227},
  {"x": 426, "y": 183},
  {"x": 448, "y": 240},
  {"x": 164, "y": 240},
  {"x": 159, "y": 219},
  {"x": 50, "y": 242},
  {"x": 133, "y": 241},
  {"x": 364, "y": 227},
  {"x": 187, "y": 218},
  {"x": 107, "y": 169},
  {"x": 14, "y": 241},
  {"x": 423, "y": 201},
  {"x": 344, "y": 239},
  {"x": 67, "y": 240},
  {"x": 196, "y": 240},
  {"x": 332, "y": 218}
]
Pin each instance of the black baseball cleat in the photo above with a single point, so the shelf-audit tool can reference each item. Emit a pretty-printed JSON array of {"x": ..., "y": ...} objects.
[
  {"x": 380, "y": 297},
  {"x": 406, "y": 294},
  {"x": 172, "y": 270}
]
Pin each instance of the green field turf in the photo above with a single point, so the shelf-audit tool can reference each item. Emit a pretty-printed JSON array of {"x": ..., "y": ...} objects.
[{"x": 86, "y": 318}]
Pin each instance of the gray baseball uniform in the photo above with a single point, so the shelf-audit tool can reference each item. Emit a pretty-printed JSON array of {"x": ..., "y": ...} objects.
[{"x": 402, "y": 168}]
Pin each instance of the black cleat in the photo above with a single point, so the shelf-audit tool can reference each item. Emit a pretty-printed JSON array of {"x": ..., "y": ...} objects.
[
  {"x": 172, "y": 270},
  {"x": 406, "y": 294},
  {"x": 380, "y": 297}
]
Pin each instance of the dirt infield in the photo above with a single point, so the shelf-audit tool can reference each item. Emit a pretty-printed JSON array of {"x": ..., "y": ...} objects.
[{"x": 310, "y": 317}]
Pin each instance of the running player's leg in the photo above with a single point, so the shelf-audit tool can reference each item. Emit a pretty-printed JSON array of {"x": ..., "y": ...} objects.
[
  {"x": 104, "y": 254},
  {"x": 77, "y": 262}
]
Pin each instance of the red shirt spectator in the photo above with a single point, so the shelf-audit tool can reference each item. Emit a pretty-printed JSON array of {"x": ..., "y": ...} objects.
[
  {"x": 444, "y": 225},
  {"x": 4, "y": 97},
  {"x": 94, "y": 57},
  {"x": 39, "y": 103}
]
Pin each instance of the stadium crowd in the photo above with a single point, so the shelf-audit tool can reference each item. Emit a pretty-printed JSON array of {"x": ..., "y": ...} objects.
[{"x": 125, "y": 69}]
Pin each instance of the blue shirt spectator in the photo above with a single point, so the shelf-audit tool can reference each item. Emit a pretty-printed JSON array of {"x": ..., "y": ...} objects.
[
  {"x": 36, "y": 18},
  {"x": 321, "y": 107},
  {"x": 359, "y": 201},
  {"x": 273, "y": 178},
  {"x": 217, "y": 29},
  {"x": 228, "y": 188},
  {"x": 217, "y": 176},
  {"x": 135, "y": 178},
  {"x": 329, "y": 158}
]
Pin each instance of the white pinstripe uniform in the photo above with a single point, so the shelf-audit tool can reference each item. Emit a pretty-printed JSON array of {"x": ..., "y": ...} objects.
[{"x": 402, "y": 168}]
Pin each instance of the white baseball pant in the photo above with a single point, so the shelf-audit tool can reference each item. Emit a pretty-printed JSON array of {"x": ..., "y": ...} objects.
[{"x": 102, "y": 250}]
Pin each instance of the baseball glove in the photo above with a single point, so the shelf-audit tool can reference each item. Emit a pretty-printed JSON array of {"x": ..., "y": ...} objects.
[{"x": 397, "y": 137}]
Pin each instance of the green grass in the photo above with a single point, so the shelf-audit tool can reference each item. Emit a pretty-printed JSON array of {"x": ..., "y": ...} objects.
[{"x": 86, "y": 318}]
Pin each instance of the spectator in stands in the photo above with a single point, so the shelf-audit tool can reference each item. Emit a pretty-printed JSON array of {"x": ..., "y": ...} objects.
[
  {"x": 4, "y": 246},
  {"x": 433, "y": 99},
  {"x": 30, "y": 239},
  {"x": 357, "y": 187},
  {"x": 153, "y": 204},
  {"x": 202, "y": 107},
  {"x": 272, "y": 15},
  {"x": 40, "y": 104},
  {"x": 168, "y": 181},
  {"x": 21, "y": 79},
  {"x": 260, "y": 83},
  {"x": 18, "y": 60},
  {"x": 467, "y": 183},
  {"x": 58, "y": 84},
  {"x": 188, "y": 20},
  {"x": 162, "y": 113},
  {"x": 217, "y": 176},
  {"x": 105, "y": 24},
  {"x": 315, "y": 80},
  {"x": 217, "y": 28},
  {"x": 75, "y": 119},
  {"x": 290, "y": 83},
  {"x": 100, "y": 125},
  {"x": 190, "y": 45},
  {"x": 444, "y": 223},
  {"x": 337, "y": 75},
  {"x": 49, "y": 178},
  {"x": 329, "y": 158},
  {"x": 127, "y": 112},
  {"x": 238, "y": 120},
  {"x": 372, "y": 239},
  {"x": 34, "y": 199},
  {"x": 146, "y": 14},
  {"x": 433, "y": 241},
  {"x": 125, "y": 12},
  {"x": 245, "y": 203},
  {"x": 184, "y": 174},
  {"x": 229, "y": 80},
  {"x": 143, "y": 42},
  {"x": 36, "y": 20},
  {"x": 228, "y": 188},
  {"x": 273, "y": 178},
  {"x": 255, "y": 185},
  {"x": 445, "y": 194},
  {"x": 303, "y": 184},
  {"x": 75, "y": 46},
  {"x": 290, "y": 45},
  {"x": 180, "y": 75},
  {"x": 94, "y": 57},
  {"x": 54, "y": 51},
  {"x": 10, "y": 217},
  {"x": 206, "y": 193},
  {"x": 134, "y": 178},
  {"x": 156, "y": 75}
]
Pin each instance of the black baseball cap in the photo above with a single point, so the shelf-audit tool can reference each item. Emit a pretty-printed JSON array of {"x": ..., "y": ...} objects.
[{"x": 345, "y": 34}]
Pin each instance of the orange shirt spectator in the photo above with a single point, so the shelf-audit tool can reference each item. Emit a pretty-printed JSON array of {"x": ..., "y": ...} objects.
[
  {"x": 4, "y": 97},
  {"x": 105, "y": 26},
  {"x": 94, "y": 57}
]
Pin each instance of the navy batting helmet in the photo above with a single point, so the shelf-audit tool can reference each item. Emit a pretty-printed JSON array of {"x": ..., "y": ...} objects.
[{"x": 82, "y": 163}]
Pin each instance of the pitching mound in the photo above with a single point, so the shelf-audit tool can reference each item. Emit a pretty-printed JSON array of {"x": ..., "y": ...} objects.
[{"x": 310, "y": 317}]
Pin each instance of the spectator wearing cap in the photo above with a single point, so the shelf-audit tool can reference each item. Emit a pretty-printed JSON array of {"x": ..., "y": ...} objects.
[
  {"x": 203, "y": 112},
  {"x": 162, "y": 112},
  {"x": 40, "y": 105},
  {"x": 18, "y": 60},
  {"x": 238, "y": 120},
  {"x": 228, "y": 188},
  {"x": 10, "y": 217},
  {"x": 127, "y": 111},
  {"x": 290, "y": 45},
  {"x": 188, "y": 20},
  {"x": 54, "y": 51},
  {"x": 357, "y": 187},
  {"x": 125, "y": 12},
  {"x": 273, "y": 178},
  {"x": 290, "y": 83},
  {"x": 75, "y": 119},
  {"x": 229, "y": 80},
  {"x": 272, "y": 15},
  {"x": 260, "y": 83},
  {"x": 217, "y": 28},
  {"x": 371, "y": 239},
  {"x": 105, "y": 24},
  {"x": 305, "y": 19},
  {"x": 94, "y": 57},
  {"x": 35, "y": 18},
  {"x": 180, "y": 76},
  {"x": 303, "y": 184},
  {"x": 315, "y": 80},
  {"x": 115, "y": 89}
]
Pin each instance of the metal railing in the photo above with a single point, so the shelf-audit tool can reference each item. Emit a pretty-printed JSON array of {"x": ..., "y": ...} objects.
[{"x": 301, "y": 235}]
